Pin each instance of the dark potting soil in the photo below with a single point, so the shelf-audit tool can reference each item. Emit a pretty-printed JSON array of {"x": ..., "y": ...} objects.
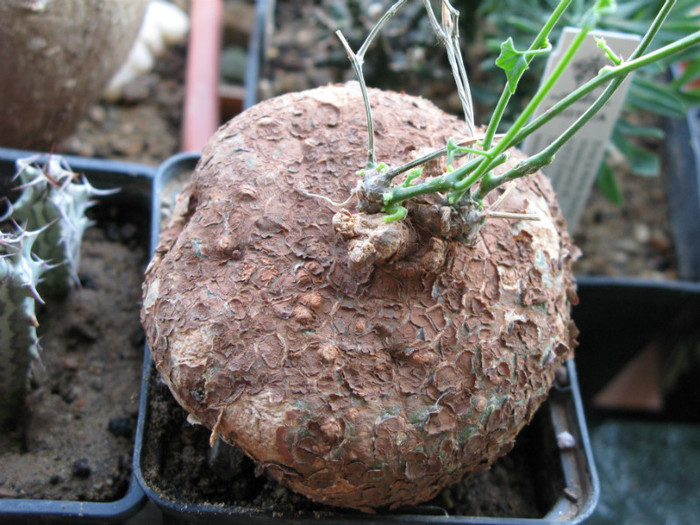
[
  {"x": 78, "y": 437},
  {"x": 179, "y": 465}
]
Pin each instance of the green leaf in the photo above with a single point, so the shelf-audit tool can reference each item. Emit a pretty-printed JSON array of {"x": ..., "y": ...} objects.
[
  {"x": 690, "y": 97},
  {"x": 515, "y": 62},
  {"x": 660, "y": 99},
  {"x": 607, "y": 182},
  {"x": 635, "y": 130},
  {"x": 395, "y": 212},
  {"x": 603, "y": 7},
  {"x": 413, "y": 174},
  {"x": 641, "y": 161}
]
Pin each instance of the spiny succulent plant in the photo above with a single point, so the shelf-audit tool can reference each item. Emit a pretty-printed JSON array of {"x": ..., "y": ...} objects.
[
  {"x": 39, "y": 248},
  {"x": 57, "y": 198},
  {"x": 20, "y": 273}
]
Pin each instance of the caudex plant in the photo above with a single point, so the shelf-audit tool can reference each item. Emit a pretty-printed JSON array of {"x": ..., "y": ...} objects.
[
  {"x": 39, "y": 251},
  {"x": 369, "y": 352}
]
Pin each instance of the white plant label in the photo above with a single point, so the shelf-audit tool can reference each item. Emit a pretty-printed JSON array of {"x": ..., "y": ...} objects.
[{"x": 576, "y": 164}]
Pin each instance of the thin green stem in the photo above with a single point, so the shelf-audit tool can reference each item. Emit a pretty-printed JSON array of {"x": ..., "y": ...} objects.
[
  {"x": 443, "y": 183},
  {"x": 485, "y": 167},
  {"x": 463, "y": 144},
  {"x": 539, "y": 41},
  {"x": 546, "y": 156},
  {"x": 609, "y": 74},
  {"x": 457, "y": 179}
]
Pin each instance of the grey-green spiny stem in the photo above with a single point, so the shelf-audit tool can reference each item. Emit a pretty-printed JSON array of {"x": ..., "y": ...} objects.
[
  {"x": 20, "y": 273},
  {"x": 39, "y": 248},
  {"x": 55, "y": 197}
]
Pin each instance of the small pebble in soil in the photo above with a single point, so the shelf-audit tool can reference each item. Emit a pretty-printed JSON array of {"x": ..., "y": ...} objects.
[
  {"x": 70, "y": 393},
  {"x": 128, "y": 231},
  {"x": 55, "y": 479},
  {"x": 565, "y": 441},
  {"x": 7, "y": 493},
  {"x": 81, "y": 468},
  {"x": 120, "y": 427},
  {"x": 113, "y": 231},
  {"x": 87, "y": 281},
  {"x": 71, "y": 363}
]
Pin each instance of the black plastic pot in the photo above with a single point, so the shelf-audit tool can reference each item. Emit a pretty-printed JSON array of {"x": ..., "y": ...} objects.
[
  {"x": 683, "y": 162},
  {"x": 617, "y": 316},
  {"x": 648, "y": 460},
  {"x": 133, "y": 200},
  {"x": 565, "y": 482}
]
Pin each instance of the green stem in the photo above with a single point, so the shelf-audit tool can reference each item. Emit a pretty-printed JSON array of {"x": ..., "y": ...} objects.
[
  {"x": 529, "y": 110},
  {"x": 546, "y": 156},
  {"x": 606, "y": 76},
  {"x": 539, "y": 41},
  {"x": 443, "y": 183},
  {"x": 457, "y": 179}
]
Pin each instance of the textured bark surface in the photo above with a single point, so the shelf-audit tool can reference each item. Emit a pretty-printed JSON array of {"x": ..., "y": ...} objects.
[
  {"x": 55, "y": 59},
  {"x": 365, "y": 387}
]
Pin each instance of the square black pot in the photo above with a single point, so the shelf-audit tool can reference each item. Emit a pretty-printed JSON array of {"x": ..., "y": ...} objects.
[
  {"x": 563, "y": 483},
  {"x": 132, "y": 201}
]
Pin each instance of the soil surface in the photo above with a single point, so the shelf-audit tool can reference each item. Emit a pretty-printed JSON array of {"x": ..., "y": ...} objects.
[
  {"x": 144, "y": 126},
  {"x": 179, "y": 465},
  {"x": 633, "y": 239},
  {"x": 78, "y": 440}
]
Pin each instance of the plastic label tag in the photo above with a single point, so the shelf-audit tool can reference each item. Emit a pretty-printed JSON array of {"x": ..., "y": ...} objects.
[{"x": 577, "y": 163}]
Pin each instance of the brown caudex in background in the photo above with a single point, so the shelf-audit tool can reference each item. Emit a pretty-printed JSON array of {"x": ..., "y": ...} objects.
[{"x": 55, "y": 60}]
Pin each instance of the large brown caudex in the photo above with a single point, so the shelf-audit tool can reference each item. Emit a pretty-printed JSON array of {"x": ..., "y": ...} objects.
[{"x": 359, "y": 384}]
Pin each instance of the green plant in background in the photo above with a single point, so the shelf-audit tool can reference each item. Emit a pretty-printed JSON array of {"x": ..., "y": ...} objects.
[
  {"x": 649, "y": 89},
  {"x": 39, "y": 249}
]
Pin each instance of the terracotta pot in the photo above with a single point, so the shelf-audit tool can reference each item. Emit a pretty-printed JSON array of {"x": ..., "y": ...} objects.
[{"x": 201, "y": 112}]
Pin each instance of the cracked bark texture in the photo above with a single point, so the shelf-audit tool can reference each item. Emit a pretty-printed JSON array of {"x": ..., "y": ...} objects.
[{"x": 359, "y": 387}]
